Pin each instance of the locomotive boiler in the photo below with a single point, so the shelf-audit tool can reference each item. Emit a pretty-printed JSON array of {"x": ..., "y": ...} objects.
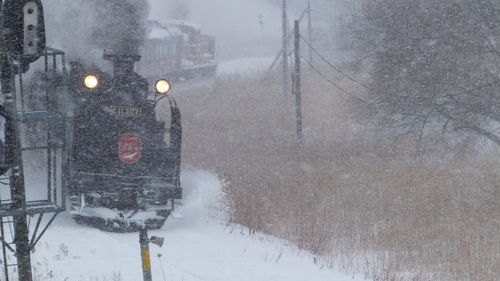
[{"x": 125, "y": 161}]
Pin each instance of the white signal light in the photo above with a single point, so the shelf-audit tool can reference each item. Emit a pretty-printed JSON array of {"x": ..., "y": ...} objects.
[
  {"x": 91, "y": 81},
  {"x": 162, "y": 86}
]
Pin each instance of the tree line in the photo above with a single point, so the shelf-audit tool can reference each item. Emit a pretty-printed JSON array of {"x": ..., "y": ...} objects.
[{"x": 434, "y": 66}]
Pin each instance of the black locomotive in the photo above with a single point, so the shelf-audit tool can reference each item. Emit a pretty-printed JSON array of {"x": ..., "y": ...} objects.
[{"x": 125, "y": 162}]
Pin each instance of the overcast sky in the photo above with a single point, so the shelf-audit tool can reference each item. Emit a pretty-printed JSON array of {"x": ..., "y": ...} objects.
[{"x": 242, "y": 28}]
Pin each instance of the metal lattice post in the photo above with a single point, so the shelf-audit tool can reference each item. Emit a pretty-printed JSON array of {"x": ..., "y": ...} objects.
[
  {"x": 18, "y": 194},
  {"x": 17, "y": 188}
]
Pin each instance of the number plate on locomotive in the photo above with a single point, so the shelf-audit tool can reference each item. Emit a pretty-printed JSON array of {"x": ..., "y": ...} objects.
[{"x": 125, "y": 111}]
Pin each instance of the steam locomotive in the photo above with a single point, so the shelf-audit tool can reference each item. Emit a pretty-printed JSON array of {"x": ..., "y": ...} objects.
[{"x": 125, "y": 161}]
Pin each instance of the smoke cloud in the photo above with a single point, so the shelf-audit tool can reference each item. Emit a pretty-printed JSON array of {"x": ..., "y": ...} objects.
[
  {"x": 84, "y": 29},
  {"x": 179, "y": 10},
  {"x": 122, "y": 25}
]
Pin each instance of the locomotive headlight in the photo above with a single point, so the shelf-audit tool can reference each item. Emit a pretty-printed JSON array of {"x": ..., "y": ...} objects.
[
  {"x": 91, "y": 81},
  {"x": 162, "y": 86}
]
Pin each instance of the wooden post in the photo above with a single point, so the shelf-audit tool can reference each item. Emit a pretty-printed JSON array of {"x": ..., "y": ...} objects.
[
  {"x": 284, "y": 50},
  {"x": 297, "y": 90},
  {"x": 309, "y": 32}
]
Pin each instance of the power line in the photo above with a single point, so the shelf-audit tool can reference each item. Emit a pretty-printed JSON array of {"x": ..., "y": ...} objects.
[
  {"x": 275, "y": 5},
  {"x": 333, "y": 84},
  {"x": 321, "y": 13},
  {"x": 359, "y": 83},
  {"x": 331, "y": 65}
]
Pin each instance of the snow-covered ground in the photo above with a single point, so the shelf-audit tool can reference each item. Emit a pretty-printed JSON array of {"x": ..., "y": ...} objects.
[
  {"x": 243, "y": 66},
  {"x": 199, "y": 246}
]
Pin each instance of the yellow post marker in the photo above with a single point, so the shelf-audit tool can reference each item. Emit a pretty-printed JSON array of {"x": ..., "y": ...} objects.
[{"x": 146, "y": 260}]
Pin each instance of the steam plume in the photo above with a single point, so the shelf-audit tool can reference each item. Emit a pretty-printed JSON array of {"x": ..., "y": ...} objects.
[
  {"x": 121, "y": 27},
  {"x": 83, "y": 29}
]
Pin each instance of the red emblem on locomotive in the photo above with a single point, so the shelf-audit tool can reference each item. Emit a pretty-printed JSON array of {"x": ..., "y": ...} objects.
[{"x": 129, "y": 148}]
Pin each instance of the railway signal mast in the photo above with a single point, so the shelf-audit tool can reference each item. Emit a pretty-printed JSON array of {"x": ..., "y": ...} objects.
[{"x": 23, "y": 43}]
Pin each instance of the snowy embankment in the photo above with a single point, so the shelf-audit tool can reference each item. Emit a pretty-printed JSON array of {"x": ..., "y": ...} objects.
[
  {"x": 200, "y": 246},
  {"x": 243, "y": 66}
]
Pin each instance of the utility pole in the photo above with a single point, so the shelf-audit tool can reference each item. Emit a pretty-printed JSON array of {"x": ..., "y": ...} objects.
[
  {"x": 309, "y": 28},
  {"x": 297, "y": 90},
  {"x": 261, "y": 22},
  {"x": 284, "y": 50}
]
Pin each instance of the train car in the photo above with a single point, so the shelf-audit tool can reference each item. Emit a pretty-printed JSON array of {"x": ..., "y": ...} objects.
[
  {"x": 178, "y": 50},
  {"x": 125, "y": 161}
]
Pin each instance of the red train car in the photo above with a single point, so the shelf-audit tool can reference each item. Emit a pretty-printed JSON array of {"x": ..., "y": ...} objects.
[{"x": 177, "y": 50}]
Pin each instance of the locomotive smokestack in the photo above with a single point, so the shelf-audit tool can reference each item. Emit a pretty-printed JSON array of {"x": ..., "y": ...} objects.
[{"x": 123, "y": 66}]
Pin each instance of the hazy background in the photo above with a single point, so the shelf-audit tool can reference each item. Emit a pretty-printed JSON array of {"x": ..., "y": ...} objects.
[
  {"x": 241, "y": 28},
  {"x": 357, "y": 197},
  {"x": 236, "y": 24}
]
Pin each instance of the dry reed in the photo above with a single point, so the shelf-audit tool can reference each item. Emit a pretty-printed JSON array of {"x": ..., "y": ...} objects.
[{"x": 345, "y": 195}]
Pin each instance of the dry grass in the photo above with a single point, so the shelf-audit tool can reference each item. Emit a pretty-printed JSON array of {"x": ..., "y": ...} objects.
[{"x": 341, "y": 195}]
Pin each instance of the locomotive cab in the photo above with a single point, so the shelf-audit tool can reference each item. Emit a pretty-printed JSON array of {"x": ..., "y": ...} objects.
[{"x": 125, "y": 176}]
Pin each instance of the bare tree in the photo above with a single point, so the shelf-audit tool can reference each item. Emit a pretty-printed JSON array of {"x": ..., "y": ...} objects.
[{"x": 434, "y": 65}]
